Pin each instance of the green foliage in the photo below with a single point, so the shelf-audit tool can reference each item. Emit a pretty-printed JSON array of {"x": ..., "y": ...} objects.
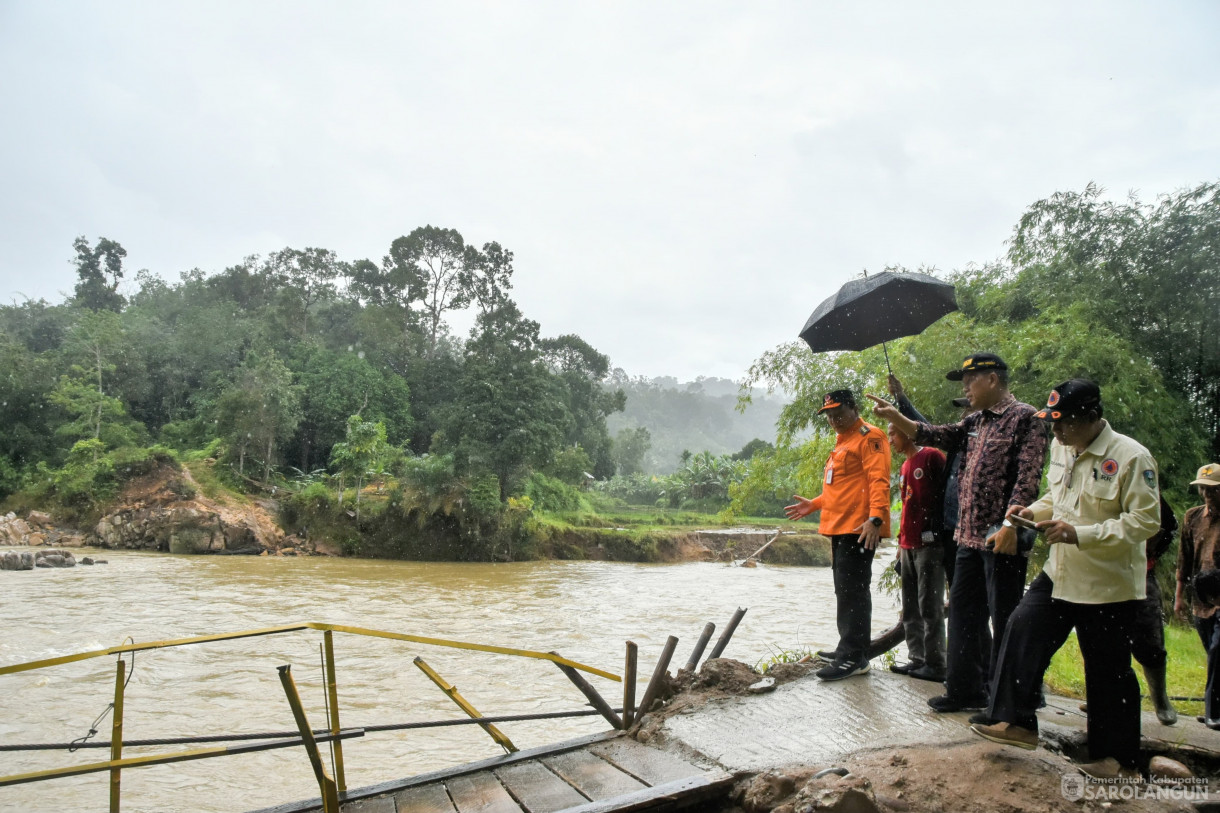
[
  {"x": 99, "y": 270},
  {"x": 551, "y": 494},
  {"x": 635, "y": 489},
  {"x": 630, "y": 448},
  {"x": 92, "y": 475},
  {"x": 570, "y": 465}
]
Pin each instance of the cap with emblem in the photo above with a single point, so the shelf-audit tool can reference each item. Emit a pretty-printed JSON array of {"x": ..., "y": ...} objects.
[
  {"x": 985, "y": 362},
  {"x": 1072, "y": 398},
  {"x": 1208, "y": 475},
  {"x": 838, "y": 398}
]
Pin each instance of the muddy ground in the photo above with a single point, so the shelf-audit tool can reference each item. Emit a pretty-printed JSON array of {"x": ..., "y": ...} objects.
[{"x": 968, "y": 777}]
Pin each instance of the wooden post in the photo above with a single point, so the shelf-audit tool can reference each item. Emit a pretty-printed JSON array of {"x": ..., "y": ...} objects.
[
  {"x": 596, "y": 700},
  {"x": 116, "y": 735},
  {"x": 462, "y": 703},
  {"x": 329, "y": 792},
  {"x": 718, "y": 650},
  {"x": 332, "y": 693},
  {"x": 629, "y": 670},
  {"x": 700, "y": 645},
  {"x": 658, "y": 675}
]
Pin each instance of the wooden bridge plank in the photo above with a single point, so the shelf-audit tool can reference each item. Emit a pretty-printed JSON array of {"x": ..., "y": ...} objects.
[
  {"x": 381, "y": 805},
  {"x": 481, "y": 793},
  {"x": 650, "y": 765},
  {"x": 593, "y": 776},
  {"x": 424, "y": 799},
  {"x": 683, "y": 794},
  {"x": 537, "y": 789}
]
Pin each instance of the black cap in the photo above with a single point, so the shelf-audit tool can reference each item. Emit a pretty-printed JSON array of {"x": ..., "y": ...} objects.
[
  {"x": 960, "y": 403},
  {"x": 838, "y": 398},
  {"x": 979, "y": 361},
  {"x": 1076, "y": 396}
]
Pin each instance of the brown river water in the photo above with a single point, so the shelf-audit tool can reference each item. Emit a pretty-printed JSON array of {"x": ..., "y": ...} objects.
[{"x": 583, "y": 610}]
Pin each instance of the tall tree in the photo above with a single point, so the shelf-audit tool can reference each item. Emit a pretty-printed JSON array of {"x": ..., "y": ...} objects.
[
  {"x": 489, "y": 276},
  {"x": 436, "y": 261},
  {"x": 509, "y": 414},
  {"x": 582, "y": 370},
  {"x": 261, "y": 408},
  {"x": 308, "y": 277},
  {"x": 99, "y": 270}
]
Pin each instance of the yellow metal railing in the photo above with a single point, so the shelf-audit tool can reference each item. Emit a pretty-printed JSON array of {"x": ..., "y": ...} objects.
[{"x": 331, "y": 788}]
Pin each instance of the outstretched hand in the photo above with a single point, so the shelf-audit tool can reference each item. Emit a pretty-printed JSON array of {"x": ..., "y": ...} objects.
[
  {"x": 883, "y": 408},
  {"x": 801, "y": 508}
]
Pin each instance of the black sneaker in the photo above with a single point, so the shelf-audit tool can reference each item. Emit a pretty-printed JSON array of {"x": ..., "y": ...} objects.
[
  {"x": 981, "y": 718},
  {"x": 928, "y": 673},
  {"x": 944, "y": 704},
  {"x": 906, "y": 668},
  {"x": 842, "y": 669},
  {"x": 831, "y": 655}
]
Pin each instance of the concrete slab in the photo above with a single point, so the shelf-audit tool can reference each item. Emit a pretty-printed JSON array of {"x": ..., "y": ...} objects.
[{"x": 809, "y": 722}]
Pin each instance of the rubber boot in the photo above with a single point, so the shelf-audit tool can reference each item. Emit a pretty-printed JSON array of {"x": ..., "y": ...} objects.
[{"x": 1165, "y": 712}]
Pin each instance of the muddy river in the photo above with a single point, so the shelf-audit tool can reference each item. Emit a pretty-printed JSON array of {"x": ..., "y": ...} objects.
[{"x": 583, "y": 610}]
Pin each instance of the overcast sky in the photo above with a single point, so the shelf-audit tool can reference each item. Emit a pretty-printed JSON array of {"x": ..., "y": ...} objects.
[{"x": 681, "y": 183}]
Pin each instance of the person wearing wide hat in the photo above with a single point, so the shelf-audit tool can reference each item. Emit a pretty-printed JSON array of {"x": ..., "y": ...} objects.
[
  {"x": 855, "y": 516},
  {"x": 1102, "y": 505},
  {"x": 1197, "y": 551}
]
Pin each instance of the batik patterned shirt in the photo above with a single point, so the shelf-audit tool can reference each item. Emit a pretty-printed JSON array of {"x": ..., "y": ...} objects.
[{"x": 1003, "y": 450}]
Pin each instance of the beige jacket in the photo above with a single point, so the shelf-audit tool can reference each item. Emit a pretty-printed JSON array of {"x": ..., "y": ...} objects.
[{"x": 1109, "y": 494}]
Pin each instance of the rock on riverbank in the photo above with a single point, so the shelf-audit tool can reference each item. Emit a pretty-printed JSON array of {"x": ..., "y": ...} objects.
[
  {"x": 36, "y": 530},
  {"x": 165, "y": 511}
]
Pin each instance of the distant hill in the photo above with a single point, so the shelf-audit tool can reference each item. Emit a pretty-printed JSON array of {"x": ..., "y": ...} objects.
[{"x": 697, "y": 416}]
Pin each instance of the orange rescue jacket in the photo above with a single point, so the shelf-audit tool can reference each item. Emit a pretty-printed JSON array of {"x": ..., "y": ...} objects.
[{"x": 856, "y": 482}]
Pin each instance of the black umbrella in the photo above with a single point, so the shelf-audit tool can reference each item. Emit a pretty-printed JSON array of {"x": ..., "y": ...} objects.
[{"x": 873, "y": 310}]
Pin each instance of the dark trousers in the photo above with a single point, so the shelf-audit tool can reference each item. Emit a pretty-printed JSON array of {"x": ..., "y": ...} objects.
[
  {"x": 949, "y": 548},
  {"x": 986, "y": 588},
  {"x": 1036, "y": 630},
  {"x": 852, "y": 565},
  {"x": 923, "y": 606},
  {"x": 1148, "y": 631},
  {"x": 1209, "y": 633}
]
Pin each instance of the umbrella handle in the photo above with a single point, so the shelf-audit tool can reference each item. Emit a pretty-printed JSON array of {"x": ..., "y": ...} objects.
[{"x": 887, "y": 359}]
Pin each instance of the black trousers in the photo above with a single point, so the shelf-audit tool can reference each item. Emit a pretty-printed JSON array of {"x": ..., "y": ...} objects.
[
  {"x": 949, "y": 547},
  {"x": 986, "y": 588},
  {"x": 1209, "y": 633},
  {"x": 852, "y": 565},
  {"x": 1148, "y": 631},
  {"x": 1036, "y": 630}
]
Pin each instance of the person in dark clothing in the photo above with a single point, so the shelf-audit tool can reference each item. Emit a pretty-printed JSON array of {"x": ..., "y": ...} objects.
[
  {"x": 1003, "y": 448},
  {"x": 1197, "y": 554},
  {"x": 1148, "y": 635},
  {"x": 948, "y": 524}
]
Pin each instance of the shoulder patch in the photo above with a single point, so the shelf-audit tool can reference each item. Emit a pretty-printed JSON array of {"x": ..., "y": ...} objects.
[
  {"x": 918, "y": 474},
  {"x": 1109, "y": 466},
  {"x": 864, "y": 429},
  {"x": 1150, "y": 478}
]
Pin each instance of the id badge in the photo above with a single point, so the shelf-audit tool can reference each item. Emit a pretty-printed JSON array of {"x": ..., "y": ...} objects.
[{"x": 830, "y": 476}]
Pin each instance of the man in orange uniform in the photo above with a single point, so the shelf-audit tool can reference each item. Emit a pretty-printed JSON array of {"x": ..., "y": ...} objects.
[{"x": 855, "y": 506}]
